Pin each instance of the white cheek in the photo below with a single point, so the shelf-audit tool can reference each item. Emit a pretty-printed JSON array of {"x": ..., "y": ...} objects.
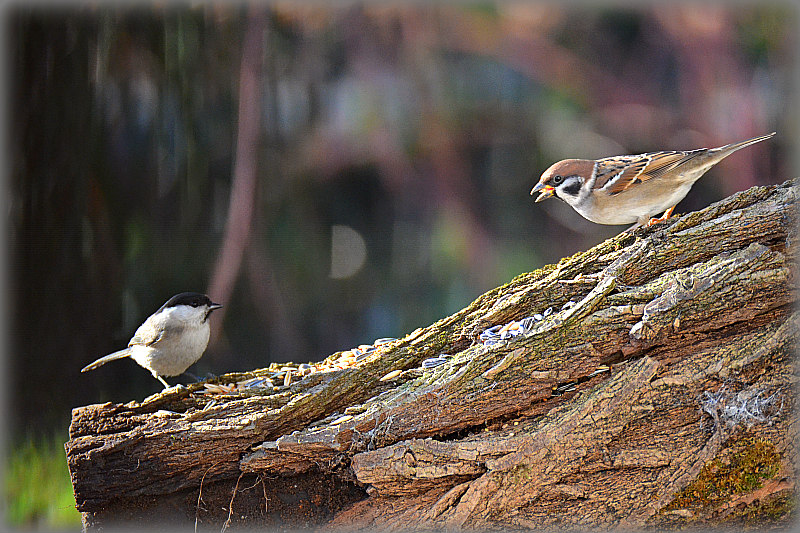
[{"x": 185, "y": 313}]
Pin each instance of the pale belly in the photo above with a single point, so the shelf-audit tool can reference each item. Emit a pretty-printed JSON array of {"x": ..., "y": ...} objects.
[
  {"x": 172, "y": 359},
  {"x": 632, "y": 206}
]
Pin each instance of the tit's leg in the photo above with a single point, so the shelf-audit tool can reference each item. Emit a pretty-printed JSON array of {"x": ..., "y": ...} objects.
[
  {"x": 662, "y": 218},
  {"x": 159, "y": 378}
]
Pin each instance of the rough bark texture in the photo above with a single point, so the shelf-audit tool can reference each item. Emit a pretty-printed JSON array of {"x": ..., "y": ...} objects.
[{"x": 692, "y": 424}]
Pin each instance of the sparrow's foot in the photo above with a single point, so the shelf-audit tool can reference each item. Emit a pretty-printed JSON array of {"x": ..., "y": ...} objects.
[{"x": 662, "y": 218}]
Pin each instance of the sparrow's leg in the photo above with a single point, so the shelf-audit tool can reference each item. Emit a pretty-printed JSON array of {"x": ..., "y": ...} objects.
[
  {"x": 637, "y": 225},
  {"x": 663, "y": 217}
]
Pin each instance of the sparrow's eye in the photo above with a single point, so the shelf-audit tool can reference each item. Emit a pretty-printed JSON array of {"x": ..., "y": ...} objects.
[{"x": 557, "y": 179}]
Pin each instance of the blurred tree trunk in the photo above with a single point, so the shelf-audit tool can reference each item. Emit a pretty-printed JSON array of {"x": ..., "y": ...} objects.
[
  {"x": 243, "y": 190},
  {"x": 662, "y": 397},
  {"x": 61, "y": 250}
]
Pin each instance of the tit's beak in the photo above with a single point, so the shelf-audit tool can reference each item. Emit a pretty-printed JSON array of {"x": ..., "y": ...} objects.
[
  {"x": 212, "y": 308},
  {"x": 546, "y": 191}
]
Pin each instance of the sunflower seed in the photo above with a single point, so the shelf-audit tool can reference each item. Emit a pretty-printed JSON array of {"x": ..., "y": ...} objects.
[
  {"x": 391, "y": 375},
  {"x": 254, "y": 383},
  {"x": 341, "y": 419},
  {"x": 433, "y": 362},
  {"x": 566, "y": 387},
  {"x": 600, "y": 370},
  {"x": 364, "y": 356}
]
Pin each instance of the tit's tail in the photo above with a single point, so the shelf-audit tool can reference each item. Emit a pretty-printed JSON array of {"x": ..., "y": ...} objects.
[
  {"x": 110, "y": 357},
  {"x": 730, "y": 148}
]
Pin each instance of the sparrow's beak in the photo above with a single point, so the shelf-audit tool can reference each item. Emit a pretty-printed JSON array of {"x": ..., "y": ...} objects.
[{"x": 546, "y": 191}]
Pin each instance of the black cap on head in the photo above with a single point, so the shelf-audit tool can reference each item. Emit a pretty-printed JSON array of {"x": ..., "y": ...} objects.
[{"x": 193, "y": 299}]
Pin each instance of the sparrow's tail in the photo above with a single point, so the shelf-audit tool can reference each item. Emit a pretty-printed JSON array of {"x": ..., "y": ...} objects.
[
  {"x": 110, "y": 357},
  {"x": 730, "y": 148}
]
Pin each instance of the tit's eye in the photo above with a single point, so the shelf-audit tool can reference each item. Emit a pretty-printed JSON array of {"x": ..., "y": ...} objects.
[
  {"x": 195, "y": 303},
  {"x": 557, "y": 179}
]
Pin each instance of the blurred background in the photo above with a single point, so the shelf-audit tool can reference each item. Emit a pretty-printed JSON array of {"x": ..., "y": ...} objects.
[{"x": 330, "y": 173}]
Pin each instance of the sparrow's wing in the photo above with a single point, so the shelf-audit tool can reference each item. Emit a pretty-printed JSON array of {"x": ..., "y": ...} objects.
[{"x": 617, "y": 174}]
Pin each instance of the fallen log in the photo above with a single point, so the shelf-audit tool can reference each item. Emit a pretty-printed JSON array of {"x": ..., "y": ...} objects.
[{"x": 603, "y": 390}]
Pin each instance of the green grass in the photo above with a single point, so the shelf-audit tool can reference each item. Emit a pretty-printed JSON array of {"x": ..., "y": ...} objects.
[{"x": 38, "y": 491}]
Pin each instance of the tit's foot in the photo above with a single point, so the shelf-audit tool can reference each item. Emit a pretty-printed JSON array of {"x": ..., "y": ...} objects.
[
  {"x": 197, "y": 379},
  {"x": 175, "y": 388}
]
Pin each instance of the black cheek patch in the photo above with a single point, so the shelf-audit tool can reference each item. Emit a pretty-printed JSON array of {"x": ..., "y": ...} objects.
[{"x": 573, "y": 188}]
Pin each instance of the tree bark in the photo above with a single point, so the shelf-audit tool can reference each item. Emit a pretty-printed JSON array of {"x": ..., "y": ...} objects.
[{"x": 645, "y": 403}]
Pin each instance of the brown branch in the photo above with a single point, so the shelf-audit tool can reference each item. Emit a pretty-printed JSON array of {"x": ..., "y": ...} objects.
[
  {"x": 599, "y": 415},
  {"x": 243, "y": 190}
]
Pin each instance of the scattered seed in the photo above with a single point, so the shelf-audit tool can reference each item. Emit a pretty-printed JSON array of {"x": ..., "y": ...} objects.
[
  {"x": 287, "y": 380},
  {"x": 391, "y": 375},
  {"x": 384, "y": 340},
  {"x": 566, "y": 387},
  {"x": 347, "y": 356},
  {"x": 341, "y": 419},
  {"x": 255, "y": 383},
  {"x": 433, "y": 362},
  {"x": 213, "y": 388},
  {"x": 511, "y": 326},
  {"x": 600, "y": 370},
  {"x": 364, "y": 356}
]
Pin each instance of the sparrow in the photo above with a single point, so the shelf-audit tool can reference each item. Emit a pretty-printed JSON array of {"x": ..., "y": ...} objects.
[
  {"x": 631, "y": 188},
  {"x": 171, "y": 340}
]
